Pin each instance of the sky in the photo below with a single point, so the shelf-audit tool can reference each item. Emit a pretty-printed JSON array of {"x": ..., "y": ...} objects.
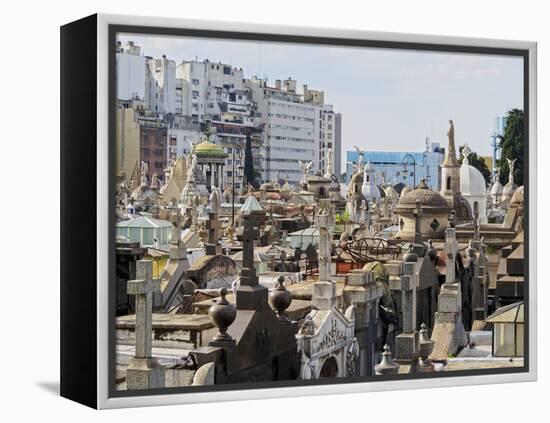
[{"x": 390, "y": 100}]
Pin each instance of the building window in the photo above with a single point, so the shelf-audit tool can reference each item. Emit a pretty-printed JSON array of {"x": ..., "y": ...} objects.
[
  {"x": 448, "y": 182},
  {"x": 227, "y": 70},
  {"x": 195, "y": 82},
  {"x": 434, "y": 225}
]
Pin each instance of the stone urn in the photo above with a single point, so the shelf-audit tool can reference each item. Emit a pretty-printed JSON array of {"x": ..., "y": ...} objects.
[
  {"x": 222, "y": 314},
  {"x": 426, "y": 346},
  {"x": 386, "y": 366},
  {"x": 280, "y": 299}
]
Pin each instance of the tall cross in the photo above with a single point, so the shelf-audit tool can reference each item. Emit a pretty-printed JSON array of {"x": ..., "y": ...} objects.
[
  {"x": 251, "y": 232},
  {"x": 213, "y": 226},
  {"x": 143, "y": 288},
  {"x": 325, "y": 245},
  {"x": 409, "y": 284},
  {"x": 176, "y": 231},
  {"x": 451, "y": 248},
  {"x": 417, "y": 221},
  {"x": 477, "y": 237},
  {"x": 465, "y": 154},
  {"x": 363, "y": 208}
]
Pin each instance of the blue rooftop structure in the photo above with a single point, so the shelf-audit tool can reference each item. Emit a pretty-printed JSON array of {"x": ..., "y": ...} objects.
[{"x": 408, "y": 167}]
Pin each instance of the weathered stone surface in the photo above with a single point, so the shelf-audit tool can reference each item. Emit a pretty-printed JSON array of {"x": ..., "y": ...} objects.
[
  {"x": 406, "y": 347},
  {"x": 448, "y": 335},
  {"x": 144, "y": 373},
  {"x": 324, "y": 295},
  {"x": 205, "y": 375}
]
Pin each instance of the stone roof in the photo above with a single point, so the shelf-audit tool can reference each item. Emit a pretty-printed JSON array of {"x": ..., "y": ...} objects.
[
  {"x": 428, "y": 199},
  {"x": 251, "y": 205},
  {"x": 512, "y": 313},
  {"x": 143, "y": 222}
]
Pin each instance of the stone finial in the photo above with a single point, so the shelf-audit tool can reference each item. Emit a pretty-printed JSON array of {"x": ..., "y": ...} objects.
[
  {"x": 411, "y": 256},
  {"x": 386, "y": 366},
  {"x": 280, "y": 299},
  {"x": 222, "y": 314},
  {"x": 426, "y": 346}
]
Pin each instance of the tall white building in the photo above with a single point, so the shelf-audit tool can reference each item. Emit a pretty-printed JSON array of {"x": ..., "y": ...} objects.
[
  {"x": 213, "y": 94},
  {"x": 291, "y": 128},
  {"x": 297, "y": 127},
  {"x": 130, "y": 75},
  {"x": 205, "y": 86},
  {"x": 161, "y": 85}
]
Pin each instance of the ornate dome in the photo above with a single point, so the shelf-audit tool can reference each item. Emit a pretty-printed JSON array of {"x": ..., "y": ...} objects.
[
  {"x": 472, "y": 182},
  {"x": 429, "y": 199},
  {"x": 207, "y": 148},
  {"x": 406, "y": 189}
]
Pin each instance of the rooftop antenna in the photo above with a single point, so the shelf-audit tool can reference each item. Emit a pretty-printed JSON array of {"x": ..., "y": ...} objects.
[{"x": 259, "y": 58}]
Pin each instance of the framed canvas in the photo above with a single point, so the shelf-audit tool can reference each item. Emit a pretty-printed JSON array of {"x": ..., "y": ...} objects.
[{"x": 253, "y": 211}]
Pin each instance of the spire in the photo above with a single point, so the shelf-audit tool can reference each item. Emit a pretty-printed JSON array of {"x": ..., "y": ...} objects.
[{"x": 450, "y": 155}]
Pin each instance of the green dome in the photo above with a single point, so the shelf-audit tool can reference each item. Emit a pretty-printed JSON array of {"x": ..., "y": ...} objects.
[{"x": 209, "y": 148}]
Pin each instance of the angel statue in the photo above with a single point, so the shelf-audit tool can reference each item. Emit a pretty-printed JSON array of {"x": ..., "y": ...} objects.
[
  {"x": 305, "y": 169},
  {"x": 361, "y": 159},
  {"x": 511, "y": 165},
  {"x": 143, "y": 171},
  {"x": 330, "y": 163}
]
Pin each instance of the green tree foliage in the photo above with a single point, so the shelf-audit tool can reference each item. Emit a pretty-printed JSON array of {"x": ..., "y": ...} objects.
[
  {"x": 249, "y": 176},
  {"x": 342, "y": 218},
  {"x": 478, "y": 163},
  {"x": 512, "y": 147}
]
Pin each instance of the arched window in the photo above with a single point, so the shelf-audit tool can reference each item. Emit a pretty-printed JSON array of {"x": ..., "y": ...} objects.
[
  {"x": 476, "y": 207},
  {"x": 329, "y": 368},
  {"x": 448, "y": 182}
]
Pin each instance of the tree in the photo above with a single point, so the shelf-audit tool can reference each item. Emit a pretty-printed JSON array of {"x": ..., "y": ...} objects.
[
  {"x": 512, "y": 147},
  {"x": 249, "y": 176},
  {"x": 478, "y": 163}
]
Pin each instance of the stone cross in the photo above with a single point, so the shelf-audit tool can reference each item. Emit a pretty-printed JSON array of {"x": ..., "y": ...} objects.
[
  {"x": 409, "y": 284},
  {"x": 405, "y": 343},
  {"x": 251, "y": 232},
  {"x": 417, "y": 222},
  {"x": 324, "y": 290},
  {"x": 325, "y": 245},
  {"x": 143, "y": 288},
  {"x": 176, "y": 221},
  {"x": 465, "y": 153},
  {"x": 213, "y": 227},
  {"x": 363, "y": 208},
  {"x": 451, "y": 248},
  {"x": 476, "y": 241}
]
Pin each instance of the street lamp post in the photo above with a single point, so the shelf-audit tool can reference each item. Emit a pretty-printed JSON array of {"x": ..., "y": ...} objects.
[{"x": 233, "y": 182}]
